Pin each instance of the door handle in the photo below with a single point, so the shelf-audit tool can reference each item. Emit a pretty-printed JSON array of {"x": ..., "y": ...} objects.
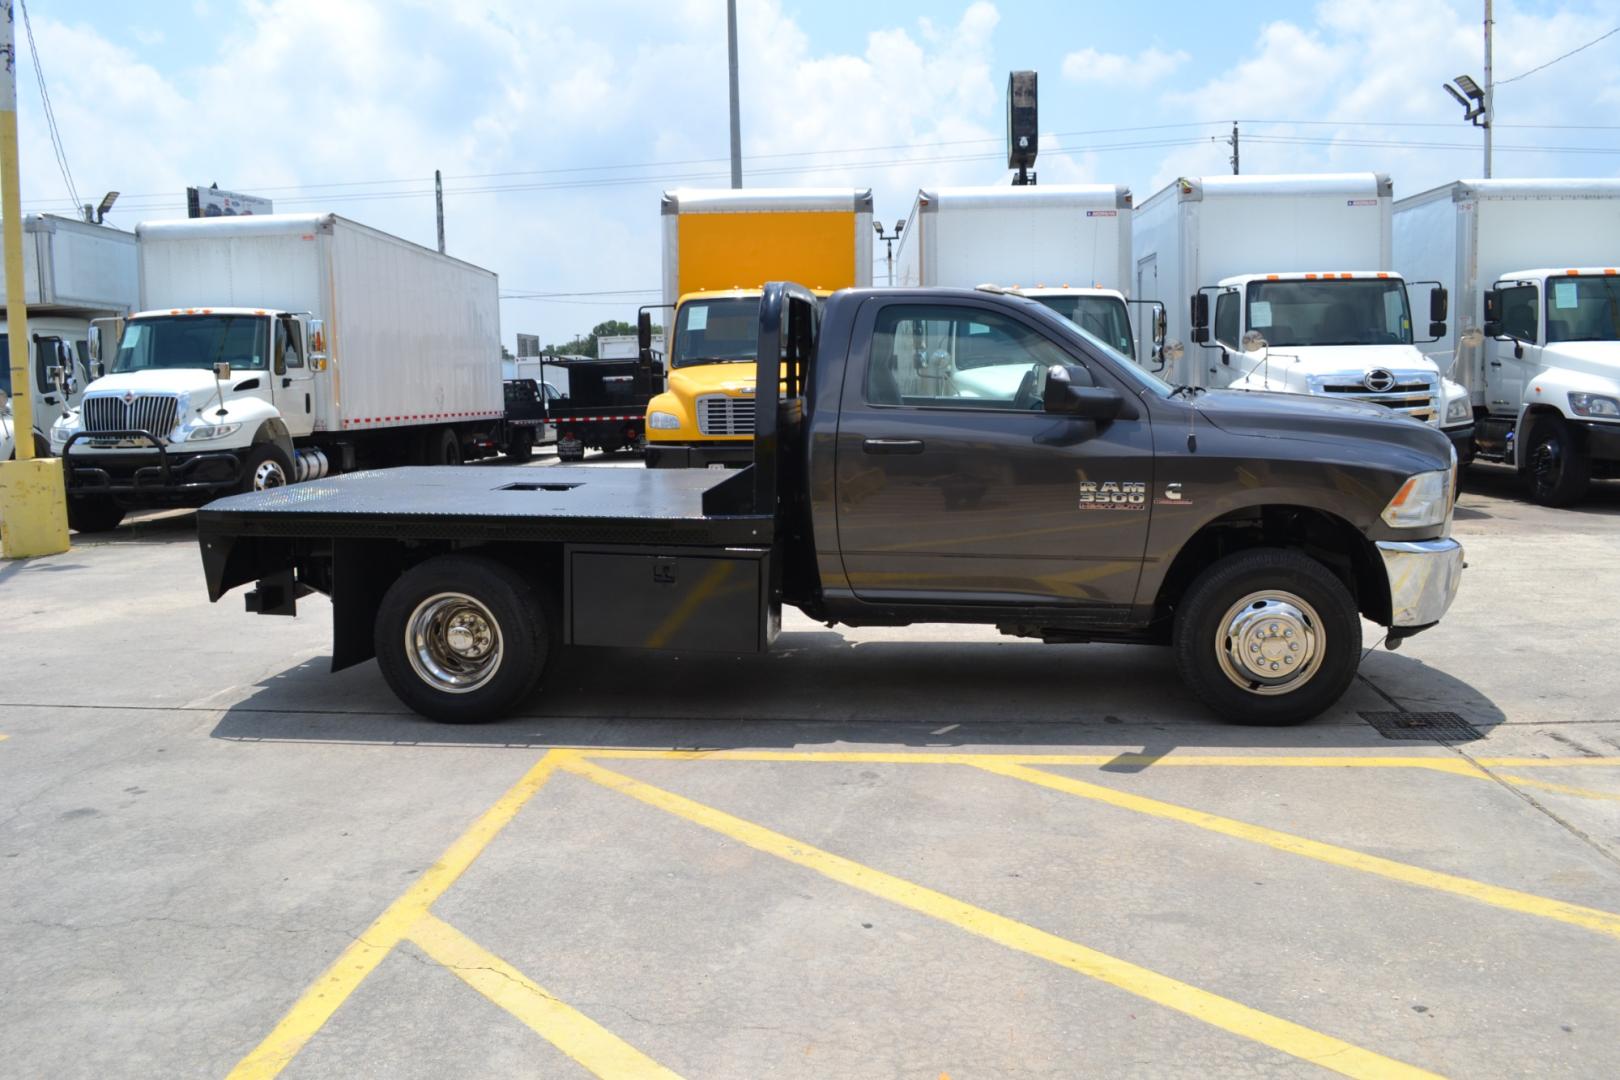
[
  {"x": 893, "y": 446},
  {"x": 49, "y": 400},
  {"x": 285, "y": 382},
  {"x": 1496, "y": 363}
]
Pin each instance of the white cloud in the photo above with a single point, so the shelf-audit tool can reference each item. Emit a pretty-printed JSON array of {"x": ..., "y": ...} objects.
[
  {"x": 298, "y": 93},
  {"x": 1146, "y": 67}
]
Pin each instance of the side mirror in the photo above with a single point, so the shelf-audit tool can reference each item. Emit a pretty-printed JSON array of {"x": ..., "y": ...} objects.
[
  {"x": 1437, "y": 329},
  {"x": 1438, "y": 304},
  {"x": 1200, "y": 318},
  {"x": 1161, "y": 326},
  {"x": 56, "y": 374},
  {"x": 95, "y": 343},
  {"x": 1493, "y": 314},
  {"x": 1069, "y": 392},
  {"x": 222, "y": 370},
  {"x": 98, "y": 370},
  {"x": 317, "y": 339},
  {"x": 644, "y": 338}
]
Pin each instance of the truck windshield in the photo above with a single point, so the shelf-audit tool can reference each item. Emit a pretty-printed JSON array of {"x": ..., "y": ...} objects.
[
  {"x": 1356, "y": 311},
  {"x": 1583, "y": 308},
  {"x": 1103, "y": 317},
  {"x": 716, "y": 332},
  {"x": 194, "y": 341}
]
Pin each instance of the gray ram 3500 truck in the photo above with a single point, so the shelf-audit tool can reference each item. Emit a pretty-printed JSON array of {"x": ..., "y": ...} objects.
[{"x": 921, "y": 455}]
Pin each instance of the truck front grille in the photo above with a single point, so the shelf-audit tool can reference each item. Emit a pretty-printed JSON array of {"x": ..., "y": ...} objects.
[
  {"x": 156, "y": 413},
  {"x": 1414, "y": 394},
  {"x": 722, "y": 414}
]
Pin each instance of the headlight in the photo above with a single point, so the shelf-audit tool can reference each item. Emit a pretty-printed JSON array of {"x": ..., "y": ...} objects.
[
  {"x": 210, "y": 432},
  {"x": 1595, "y": 405},
  {"x": 1425, "y": 499},
  {"x": 60, "y": 434},
  {"x": 1459, "y": 410},
  {"x": 663, "y": 421}
]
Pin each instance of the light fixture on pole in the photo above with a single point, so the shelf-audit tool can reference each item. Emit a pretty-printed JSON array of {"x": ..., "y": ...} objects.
[
  {"x": 889, "y": 238},
  {"x": 106, "y": 206},
  {"x": 1476, "y": 109}
]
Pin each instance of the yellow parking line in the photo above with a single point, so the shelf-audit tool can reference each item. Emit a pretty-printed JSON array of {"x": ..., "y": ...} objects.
[
  {"x": 880, "y": 757},
  {"x": 312, "y": 1010},
  {"x": 1286, "y": 1036},
  {"x": 1562, "y": 789},
  {"x": 597, "y": 1049},
  {"x": 1603, "y": 922}
]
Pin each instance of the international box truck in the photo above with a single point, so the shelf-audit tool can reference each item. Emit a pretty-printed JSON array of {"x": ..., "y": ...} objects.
[
  {"x": 1065, "y": 245},
  {"x": 1087, "y": 501},
  {"x": 1306, "y": 299},
  {"x": 1534, "y": 267},
  {"x": 73, "y": 272},
  {"x": 720, "y": 247},
  {"x": 278, "y": 348}
]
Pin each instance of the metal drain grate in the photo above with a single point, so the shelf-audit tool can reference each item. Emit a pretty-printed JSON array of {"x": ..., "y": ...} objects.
[{"x": 1445, "y": 726}]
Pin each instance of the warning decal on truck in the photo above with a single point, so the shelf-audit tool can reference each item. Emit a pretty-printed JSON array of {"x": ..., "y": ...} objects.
[
  {"x": 1361, "y": 202},
  {"x": 1102, "y": 213}
]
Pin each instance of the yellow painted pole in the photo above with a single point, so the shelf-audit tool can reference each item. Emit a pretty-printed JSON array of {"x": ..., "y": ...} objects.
[{"x": 33, "y": 502}]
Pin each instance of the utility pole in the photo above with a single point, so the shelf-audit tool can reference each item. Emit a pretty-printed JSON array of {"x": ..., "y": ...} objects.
[
  {"x": 1490, "y": 112},
  {"x": 1233, "y": 143},
  {"x": 33, "y": 503},
  {"x": 438, "y": 199},
  {"x": 736, "y": 121}
]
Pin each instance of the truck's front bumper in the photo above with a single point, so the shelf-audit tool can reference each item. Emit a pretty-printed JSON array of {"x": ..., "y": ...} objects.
[
  {"x": 142, "y": 477},
  {"x": 1423, "y": 578},
  {"x": 1602, "y": 440},
  {"x": 733, "y": 455}
]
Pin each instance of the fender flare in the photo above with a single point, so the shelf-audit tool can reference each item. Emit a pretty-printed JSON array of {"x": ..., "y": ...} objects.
[{"x": 274, "y": 430}]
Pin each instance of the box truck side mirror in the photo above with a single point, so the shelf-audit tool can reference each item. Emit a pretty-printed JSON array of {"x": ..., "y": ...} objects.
[
  {"x": 317, "y": 343},
  {"x": 1439, "y": 302},
  {"x": 1200, "y": 318},
  {"x": 644, "y": 337}
]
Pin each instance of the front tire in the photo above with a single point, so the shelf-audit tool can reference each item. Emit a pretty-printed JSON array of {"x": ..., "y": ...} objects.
[
  {"x": 1267, "y": 637},
  {"x": 266, "y": 468},
  {"x": 1557, "y": 468},
  {"x": 521, "y": 448},
  {"x": 462, "y": 639},
  {"x": 93, "y": 514}
]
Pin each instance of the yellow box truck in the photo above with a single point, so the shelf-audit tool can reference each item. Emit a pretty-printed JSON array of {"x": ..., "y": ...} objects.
[{"x": 720, "y": 248}]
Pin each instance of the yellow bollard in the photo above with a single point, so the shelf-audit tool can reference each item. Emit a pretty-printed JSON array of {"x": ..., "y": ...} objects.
[
  {"x": 33, "y": 511},
  {"x": 33, "y": 500}
]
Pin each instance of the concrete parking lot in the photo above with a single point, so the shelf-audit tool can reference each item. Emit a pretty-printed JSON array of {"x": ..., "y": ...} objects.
[{"x": 922, "y": 852}]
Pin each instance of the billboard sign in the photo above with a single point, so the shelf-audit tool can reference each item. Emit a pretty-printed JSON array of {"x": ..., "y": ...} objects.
[
  {"x": 212, "y": 202},
  {"x": 528, "y": 345}
]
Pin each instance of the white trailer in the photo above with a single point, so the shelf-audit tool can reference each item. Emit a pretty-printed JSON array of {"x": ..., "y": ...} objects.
[
  {"x": 1306, "y": 299},
  {"x": 73, "y": 272},
  {"x": 1066, "y": 245},
  {"x": 1532, "y": 265},
  {"x": 272, "y": 349}
]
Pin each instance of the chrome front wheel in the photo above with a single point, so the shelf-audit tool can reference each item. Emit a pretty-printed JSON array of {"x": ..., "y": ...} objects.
[
  {"x": 1269, "y": 642},
  {"x": 454, "y": 643}
]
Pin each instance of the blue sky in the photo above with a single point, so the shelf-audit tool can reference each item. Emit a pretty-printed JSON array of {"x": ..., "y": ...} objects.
[{"x": 349, "y": 105}]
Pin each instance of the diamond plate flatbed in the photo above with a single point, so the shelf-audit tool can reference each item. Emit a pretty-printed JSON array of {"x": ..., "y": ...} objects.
[{"x": 576, "y": 504}]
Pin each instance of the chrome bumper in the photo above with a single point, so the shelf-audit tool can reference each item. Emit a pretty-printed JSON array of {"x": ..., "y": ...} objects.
[{"x": 1423, "y": 578}]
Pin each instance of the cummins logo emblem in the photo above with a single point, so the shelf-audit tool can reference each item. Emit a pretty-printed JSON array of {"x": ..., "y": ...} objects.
[{"x": 1378, "y": 380}]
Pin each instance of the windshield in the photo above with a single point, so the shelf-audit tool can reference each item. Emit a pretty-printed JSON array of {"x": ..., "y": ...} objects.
[
  {"x": 716, "y": 331},
  {"x": 1103, "y": 316},
  {"x": 1583, "y": 309},
  {"x": 194, "y": 341},
  {"x": 1345, "y": 312}
]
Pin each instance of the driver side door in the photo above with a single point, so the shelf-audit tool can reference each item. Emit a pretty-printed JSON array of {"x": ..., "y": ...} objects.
[
  {"x": 294, "y": 385},
  {"x": 955, "y": 486}
]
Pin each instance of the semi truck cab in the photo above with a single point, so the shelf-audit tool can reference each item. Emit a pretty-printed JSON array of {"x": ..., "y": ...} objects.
[
  {"x": 1341, "y": 334},
  {"x": 58, "y": 369},
  {"x": 1551, "y": 378},
  {"x": 193, "y": 403}
]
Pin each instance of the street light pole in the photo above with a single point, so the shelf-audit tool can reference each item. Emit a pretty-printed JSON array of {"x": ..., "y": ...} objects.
[
  {"x": 736, "y": 122},
  {"x": 1490, "y": 111}
]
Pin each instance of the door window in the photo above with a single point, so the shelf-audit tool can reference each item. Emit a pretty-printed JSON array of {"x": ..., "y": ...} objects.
[
  {"x": 957, "y": 357},
  {"x": 48, "y": 353},
  {"x": 288, "y": 344},
  {"x": 1226, "y": 319},
  {"x": 1519, "y": 306}
]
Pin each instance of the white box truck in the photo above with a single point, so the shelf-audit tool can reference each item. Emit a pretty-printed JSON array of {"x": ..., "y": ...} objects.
[
  {"x": 1066, "y": 245},
  {"x": 1534, "y": 268},
  {"x": 1306, "y": 299},
  {"x": 73, "y": 272},
  {"x": 278, "y": 348}
]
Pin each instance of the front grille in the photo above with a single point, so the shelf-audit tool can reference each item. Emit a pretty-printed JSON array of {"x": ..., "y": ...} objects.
[
  {"x": 149, "y": 412},
  {"x": 1415, "y": 395},
  {"x": 722, "y": 414}
]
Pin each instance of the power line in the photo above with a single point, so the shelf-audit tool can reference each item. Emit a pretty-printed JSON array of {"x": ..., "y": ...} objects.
[
  {"x": 50, "y": 114},
  {"x": 1554, "y": 60}
]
